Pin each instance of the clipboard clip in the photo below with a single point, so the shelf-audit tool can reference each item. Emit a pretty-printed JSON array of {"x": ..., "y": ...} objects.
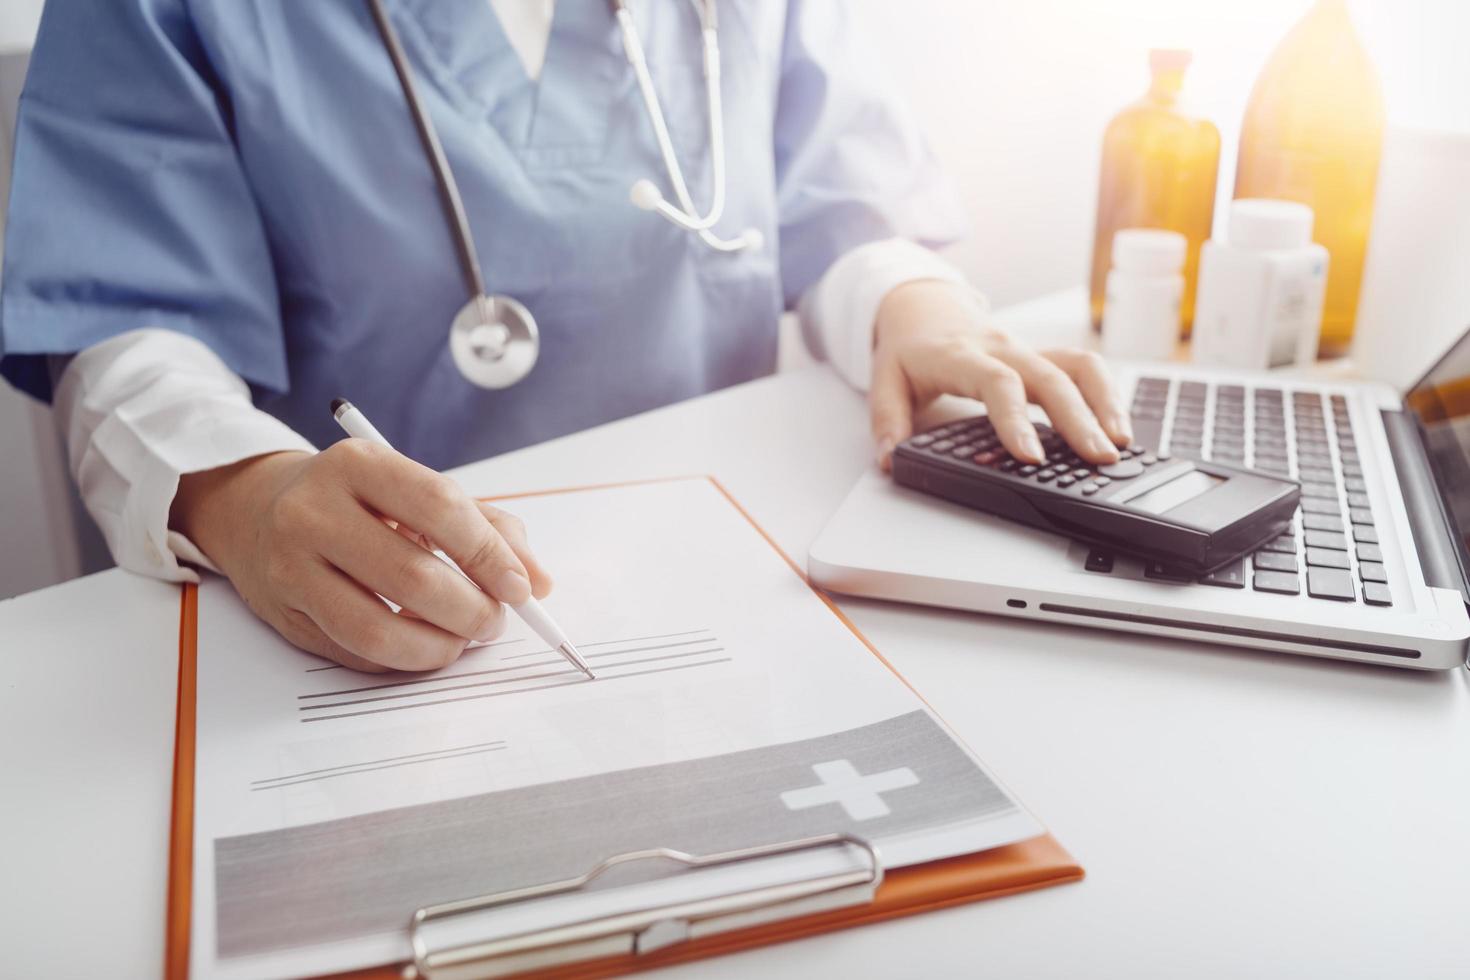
[{"x": 643, "y": 930}]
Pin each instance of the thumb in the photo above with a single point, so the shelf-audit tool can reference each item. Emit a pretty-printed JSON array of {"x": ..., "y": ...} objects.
[{"x": 892, "y": 407}]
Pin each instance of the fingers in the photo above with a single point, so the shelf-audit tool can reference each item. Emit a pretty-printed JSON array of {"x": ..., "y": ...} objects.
[
  {"x": 1092, "y": 377},
  {"x": 514, "y": 532},
  {"x": 357, "y": 621},
  {"x": 435, "y": 506},
  {"x": 974, "y": 374},
  {"x": 389, "y": 563},
  {"x": 1058, "y": 395},
  {"x": 891, "y": 405}
]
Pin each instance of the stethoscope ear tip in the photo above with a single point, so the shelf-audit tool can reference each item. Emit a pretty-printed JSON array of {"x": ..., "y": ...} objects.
[{"x": 646, "y": 195}]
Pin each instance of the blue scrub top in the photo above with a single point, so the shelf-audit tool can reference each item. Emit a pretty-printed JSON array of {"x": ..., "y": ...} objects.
[{"x": 247, "y": 172}]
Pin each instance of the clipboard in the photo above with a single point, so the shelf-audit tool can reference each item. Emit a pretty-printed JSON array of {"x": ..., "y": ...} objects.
[{"x": 616, "y": 945}]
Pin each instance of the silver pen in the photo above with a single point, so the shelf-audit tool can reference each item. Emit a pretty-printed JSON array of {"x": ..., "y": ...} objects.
[{"x": 356, "y": 424}]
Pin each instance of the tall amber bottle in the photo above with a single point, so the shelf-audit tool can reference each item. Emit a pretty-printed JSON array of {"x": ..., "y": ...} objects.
[
  {"x": 1313, "y": 133},
  {"x": 1159, "y": 166}
]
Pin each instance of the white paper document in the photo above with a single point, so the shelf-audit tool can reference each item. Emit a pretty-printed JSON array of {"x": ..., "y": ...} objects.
[{"x": 731, "y": 708}]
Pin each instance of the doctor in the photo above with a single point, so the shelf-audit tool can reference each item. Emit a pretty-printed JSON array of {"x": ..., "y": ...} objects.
[{"x": 227, "y": 212}]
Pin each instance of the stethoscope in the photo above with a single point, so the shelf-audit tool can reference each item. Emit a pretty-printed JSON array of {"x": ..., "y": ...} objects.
[{"x": 494, "y": 339}]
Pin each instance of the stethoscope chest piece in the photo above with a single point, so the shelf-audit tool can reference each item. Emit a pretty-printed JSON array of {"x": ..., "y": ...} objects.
[{"x": 494, "y": 341}]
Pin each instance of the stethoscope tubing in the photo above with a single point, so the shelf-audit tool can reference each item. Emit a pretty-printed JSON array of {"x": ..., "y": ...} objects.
[
  {"x": 447, "y": 186},
  {"x": 494, "y": 340}
]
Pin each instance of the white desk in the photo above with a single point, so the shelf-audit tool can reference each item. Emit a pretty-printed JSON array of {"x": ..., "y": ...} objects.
[{"x": 1238, "y": 814}]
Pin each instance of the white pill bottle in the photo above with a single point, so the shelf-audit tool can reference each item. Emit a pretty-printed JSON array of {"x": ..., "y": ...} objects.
[
  {"x": 1141, "y": 308},
  {"x": 1260, "y": 293}
]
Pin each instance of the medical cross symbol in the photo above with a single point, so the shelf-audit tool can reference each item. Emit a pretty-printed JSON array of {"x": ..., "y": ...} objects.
[{"x": 859, "y": 795}]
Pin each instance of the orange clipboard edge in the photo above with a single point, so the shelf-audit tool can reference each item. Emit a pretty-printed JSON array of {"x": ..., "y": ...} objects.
[{"x": 1000, "y": 871}]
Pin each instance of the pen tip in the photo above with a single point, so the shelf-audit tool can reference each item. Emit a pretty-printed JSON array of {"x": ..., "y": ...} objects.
[
  {"x": 570, "y": 652},
  {"x": 338, "y": 404}
]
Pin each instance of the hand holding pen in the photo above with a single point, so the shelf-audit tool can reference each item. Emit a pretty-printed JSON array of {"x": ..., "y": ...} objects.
[
  {"x": 302, "y": 536},
  {"x": 528, "y": 608}
]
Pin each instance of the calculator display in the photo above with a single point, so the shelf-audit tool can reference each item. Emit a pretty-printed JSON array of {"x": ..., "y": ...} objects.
[{"x": 1169, "y": 495}]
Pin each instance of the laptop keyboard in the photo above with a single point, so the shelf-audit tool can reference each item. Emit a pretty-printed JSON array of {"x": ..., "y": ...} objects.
[{"x": 1333, "y": 551}]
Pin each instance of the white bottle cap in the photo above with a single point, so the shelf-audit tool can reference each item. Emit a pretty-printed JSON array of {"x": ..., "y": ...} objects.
[
  {"x": 1148, "y": 251},
  {"x": 1263, "y": 224}
]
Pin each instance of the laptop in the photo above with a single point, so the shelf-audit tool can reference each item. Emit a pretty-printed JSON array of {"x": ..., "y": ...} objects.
[{"x": 1374, "y": 568}]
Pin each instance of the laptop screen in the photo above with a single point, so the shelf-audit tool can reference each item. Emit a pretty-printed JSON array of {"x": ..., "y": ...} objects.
[{"x": 1441, "y": 400}]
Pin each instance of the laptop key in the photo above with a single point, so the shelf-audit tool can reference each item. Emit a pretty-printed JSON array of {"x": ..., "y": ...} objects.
[
  {"x": 1232, "y": 576},
  {"x": 1370, "y": 552},
  {"x": 1166, "y": 573},
  {"x": 1331, "y": 583},
  {"x": 1360, "y": 515},
  {"x": 1357, "y": 500},
  {"x": 1327, "y": 491},
  {"x": 1355, "y": 484},
  {"x": 1377, "y": 594},
  {"x": 1317, "y": 505},
  {"x": 1372, "y": 571},
  {"x": 1273, "y": 561},
  {"x": 1326, "y": 539},
  {"x": 1284, "y": 544},
  {"x": 1283, "y": 582},
  {"x": 1324, "y": 522},
  {"x": 1327, "y": 558},
  {"x": 1099, "y": 561},
  {"x": 1363, "y": 534}
]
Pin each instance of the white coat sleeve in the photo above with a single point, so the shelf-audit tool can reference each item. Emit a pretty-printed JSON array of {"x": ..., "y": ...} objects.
[
  {"x": 839, "y": 311},
  {"x": 138, "y": 411}
]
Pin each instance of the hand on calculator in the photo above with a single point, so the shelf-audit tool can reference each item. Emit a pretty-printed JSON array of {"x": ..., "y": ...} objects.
[{"x": 931, "y": 340}]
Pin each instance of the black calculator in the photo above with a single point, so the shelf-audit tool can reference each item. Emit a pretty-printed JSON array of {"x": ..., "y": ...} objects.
[{"x": 1190, "y": 514}]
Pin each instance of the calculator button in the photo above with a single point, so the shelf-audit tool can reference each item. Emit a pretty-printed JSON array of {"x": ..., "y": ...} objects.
[
  {"x": 1273, "y": 561},
  {"x": 1090, "y": 488},
  {"x": 1283, "y": 582},
  {"x": 1330, "y": 583},
  {"x": 1066, "y": 481},
  {"x": 1008, "y": 465},
  {"x": 1046, "y": 476},
  {"x": 1124, "y": 469},
  {"x": 921, "y": 441},
  {"x": 961, "y": 452},
  {"x": 1377, "y": 594},
  {"x": 1081, "y": 474},
  {"x": 943, "y": 445},
  {"x": 1148, "y": 459},
  {"x": 988, "y": 458},
  {"x": 1099, "y": 561},
  {"x": 1102, "y": 481},
  {"x": 1372, "y": 571},
  {"x": 1027, "y": 470}
]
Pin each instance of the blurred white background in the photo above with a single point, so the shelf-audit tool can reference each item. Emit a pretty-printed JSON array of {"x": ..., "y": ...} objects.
[{"x": 1014, "y": 97}]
